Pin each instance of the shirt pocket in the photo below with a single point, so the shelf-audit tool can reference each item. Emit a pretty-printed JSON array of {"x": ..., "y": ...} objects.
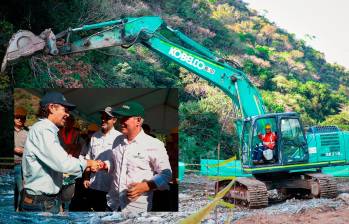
[
  {"x": 96, "y": 145},
  {"x": 138, "y": 161},
  {"x": 95, "y": 148},
  {"x": 108, "y": 146}
]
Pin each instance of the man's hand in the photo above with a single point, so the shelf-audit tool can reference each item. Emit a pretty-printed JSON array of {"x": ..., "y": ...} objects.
[
  {"x": 96, "y": 165},
  {"x": 137, "y": 189},
  {"x": 86, "y": 183},
  {"x": 102, "y": 165},
  {"x": 93, "y": 165},
  {"x": 18, "y": 150}
]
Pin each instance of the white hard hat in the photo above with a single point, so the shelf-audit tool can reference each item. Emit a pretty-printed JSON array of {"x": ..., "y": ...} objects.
[{"x": 268, "y": 154}]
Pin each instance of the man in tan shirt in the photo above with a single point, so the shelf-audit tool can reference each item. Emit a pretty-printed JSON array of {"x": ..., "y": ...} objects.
[{"x": 20, "y": 136}]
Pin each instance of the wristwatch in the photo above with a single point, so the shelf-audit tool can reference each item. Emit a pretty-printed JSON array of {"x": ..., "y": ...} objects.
[{"x": 151, "y": 184}]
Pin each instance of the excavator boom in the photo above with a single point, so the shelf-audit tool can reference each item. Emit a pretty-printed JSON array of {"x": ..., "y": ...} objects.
[{"x": 146, "y": 31}]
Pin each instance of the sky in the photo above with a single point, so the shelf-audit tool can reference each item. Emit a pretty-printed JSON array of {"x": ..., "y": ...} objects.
[{"x": 327, "y": 20}]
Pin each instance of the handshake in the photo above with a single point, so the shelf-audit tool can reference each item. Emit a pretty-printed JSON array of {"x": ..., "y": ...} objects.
[{"x": 96, "y": 165}]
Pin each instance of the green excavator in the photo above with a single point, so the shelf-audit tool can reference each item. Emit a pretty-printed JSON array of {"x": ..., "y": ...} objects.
[{"x": 297, "y": 159}]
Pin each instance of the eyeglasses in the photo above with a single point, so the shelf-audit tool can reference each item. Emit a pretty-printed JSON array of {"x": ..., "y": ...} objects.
[
  {"x": 106, "y": 117},
  {"x": 20, "y": 117}
]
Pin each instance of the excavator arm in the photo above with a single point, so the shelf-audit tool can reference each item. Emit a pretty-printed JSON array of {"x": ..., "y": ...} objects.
[
  {"x": 146, "y": 30},
  {"x": 230, "y": 80}
]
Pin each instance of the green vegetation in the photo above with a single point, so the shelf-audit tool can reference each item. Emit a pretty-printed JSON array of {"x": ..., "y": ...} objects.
[{"x": 291, "y": 75}]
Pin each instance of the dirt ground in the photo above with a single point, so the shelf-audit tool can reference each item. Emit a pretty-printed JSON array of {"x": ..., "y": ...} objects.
[
  {"x": 196, "y": 191},
  {"x": 318, "y": 215}
]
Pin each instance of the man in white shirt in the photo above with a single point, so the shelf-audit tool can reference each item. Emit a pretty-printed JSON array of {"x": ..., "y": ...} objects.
[
  {"x": 140, "y": 163},
  {"x": 101, "y": 149}
]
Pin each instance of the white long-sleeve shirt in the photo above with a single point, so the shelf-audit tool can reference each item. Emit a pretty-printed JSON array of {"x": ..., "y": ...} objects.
[
  {"x": 144, "y": 158},
  {"x": 100, "y": 148}
]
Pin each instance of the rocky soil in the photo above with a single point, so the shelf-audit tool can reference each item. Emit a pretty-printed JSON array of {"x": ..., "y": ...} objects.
[{"x": 194, "y": 193}]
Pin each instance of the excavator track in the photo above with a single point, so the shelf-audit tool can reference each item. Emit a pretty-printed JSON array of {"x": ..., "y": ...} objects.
[
  {"x": 249, "y": 192},
  {"x": 257, "y": 194},
  {"x": 324, "y": 186}
]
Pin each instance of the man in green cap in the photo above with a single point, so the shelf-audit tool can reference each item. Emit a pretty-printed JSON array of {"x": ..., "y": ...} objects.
[
  {"x": 140, "y": 163},
  {"x": 44, "y": 160}
]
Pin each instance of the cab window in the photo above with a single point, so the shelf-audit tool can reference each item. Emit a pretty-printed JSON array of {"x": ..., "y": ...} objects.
[{"x": 293, "y": 141}]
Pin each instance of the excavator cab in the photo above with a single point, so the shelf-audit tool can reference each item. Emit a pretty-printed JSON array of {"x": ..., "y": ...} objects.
[{"x": 289, "y": 147}]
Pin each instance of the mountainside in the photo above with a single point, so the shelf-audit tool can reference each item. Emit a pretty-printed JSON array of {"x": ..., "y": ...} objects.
[{"x": 291, "y": 75}]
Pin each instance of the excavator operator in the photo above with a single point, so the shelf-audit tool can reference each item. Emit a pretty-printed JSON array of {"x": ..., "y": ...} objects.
[
  {"x": 267, "y": 148},
  {"x": 269, "y": 139}
]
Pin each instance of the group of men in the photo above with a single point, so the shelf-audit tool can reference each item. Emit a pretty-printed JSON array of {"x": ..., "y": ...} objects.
[{"x": 120, "y": 169}]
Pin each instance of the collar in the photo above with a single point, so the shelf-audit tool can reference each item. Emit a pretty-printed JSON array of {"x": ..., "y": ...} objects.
[
  {"x": 21, "y": 129},
  {"x": 50, "y": 124},
  {"x": 271, "y": 133},
  {"x": 112, "y": 130},
  {"x": 139, "y": 138}
]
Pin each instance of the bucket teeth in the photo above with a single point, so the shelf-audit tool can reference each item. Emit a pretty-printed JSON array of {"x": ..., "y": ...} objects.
[{"x": 23, "y": 43}]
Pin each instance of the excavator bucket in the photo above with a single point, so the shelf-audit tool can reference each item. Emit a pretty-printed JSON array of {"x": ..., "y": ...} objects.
[{"x": 23, "y": 43}]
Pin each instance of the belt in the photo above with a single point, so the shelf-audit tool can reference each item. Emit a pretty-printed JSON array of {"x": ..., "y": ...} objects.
[{"x": 29, "y": 199}]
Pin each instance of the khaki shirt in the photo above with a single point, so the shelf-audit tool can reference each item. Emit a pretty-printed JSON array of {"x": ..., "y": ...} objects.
[{"x": 19, "y": 140}]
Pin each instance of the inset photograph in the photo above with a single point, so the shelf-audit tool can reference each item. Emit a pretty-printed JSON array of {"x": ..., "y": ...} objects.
[{"x": 96, "y": 150}]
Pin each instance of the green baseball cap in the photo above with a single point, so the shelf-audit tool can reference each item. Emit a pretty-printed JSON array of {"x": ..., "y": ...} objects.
[{"x": 130, "y": 109}]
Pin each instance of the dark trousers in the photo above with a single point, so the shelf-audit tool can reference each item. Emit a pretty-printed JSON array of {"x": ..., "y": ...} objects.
[
  {"x": 79, "y": 202},
  {"x": 258, "y": 152},
  {"x": 167, "y": 200},
  {"x": 40, "y": 203},
  {"x": 97, "y": 200}
]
